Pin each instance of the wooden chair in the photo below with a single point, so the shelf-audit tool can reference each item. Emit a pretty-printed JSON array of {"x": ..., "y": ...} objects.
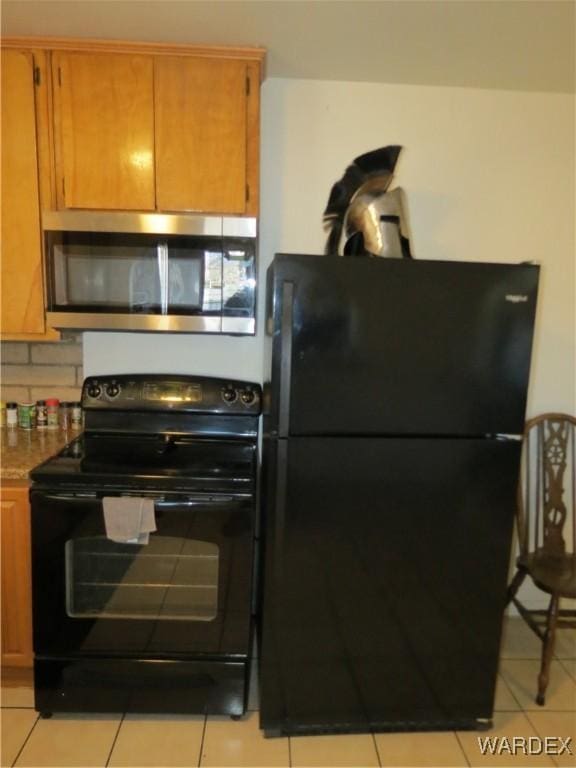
[{"x": 546, "y": 525}]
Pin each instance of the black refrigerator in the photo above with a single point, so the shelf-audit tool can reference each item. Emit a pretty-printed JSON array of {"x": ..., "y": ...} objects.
[{"x": 393, "y": 414}]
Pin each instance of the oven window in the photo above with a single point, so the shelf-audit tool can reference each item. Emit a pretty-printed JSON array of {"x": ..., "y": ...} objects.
[{"x": 170, "y": 578}]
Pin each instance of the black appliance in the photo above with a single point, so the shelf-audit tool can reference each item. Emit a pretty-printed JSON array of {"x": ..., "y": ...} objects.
[
  {"x": 391, "y": 450},
  {"x": 163, "y": 626}
]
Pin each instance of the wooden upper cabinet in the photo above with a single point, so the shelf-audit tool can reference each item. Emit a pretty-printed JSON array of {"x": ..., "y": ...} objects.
[
  {"x": 22, "y": 274},
  {"x": 201, "y": 120},
  {"x": 141, "y": 126},
  {"x": 104, "y": 130}
]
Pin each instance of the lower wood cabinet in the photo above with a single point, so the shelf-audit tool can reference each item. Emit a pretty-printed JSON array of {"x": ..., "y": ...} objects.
[{"x": 16, "y": 576}]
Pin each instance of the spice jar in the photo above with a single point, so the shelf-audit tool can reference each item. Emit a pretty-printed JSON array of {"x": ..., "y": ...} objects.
[
  {"x": 26, "y": 415},
  {"x": 64, "y": 415},
  {"x": 41, "y": 415},
  {"x": 11, "y": 415},
  {"x": 52, "y": 413},
  {"x": 76, "y": 415}
]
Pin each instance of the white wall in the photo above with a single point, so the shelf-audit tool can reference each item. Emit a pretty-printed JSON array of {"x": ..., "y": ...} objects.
[{"x": 488, "y": 176}]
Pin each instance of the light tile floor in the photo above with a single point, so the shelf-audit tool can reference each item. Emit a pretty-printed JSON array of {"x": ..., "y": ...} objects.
[{"x": 165, "y": 741}]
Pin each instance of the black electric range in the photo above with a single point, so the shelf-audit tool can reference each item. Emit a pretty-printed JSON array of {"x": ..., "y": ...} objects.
[{"x": 163, "y": 625}]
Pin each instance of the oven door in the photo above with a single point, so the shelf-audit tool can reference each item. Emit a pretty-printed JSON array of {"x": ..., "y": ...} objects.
[{"x": 187, "y": 592}]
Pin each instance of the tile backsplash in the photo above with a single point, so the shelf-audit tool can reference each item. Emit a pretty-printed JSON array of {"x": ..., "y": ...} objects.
[{"x": 35, "y": 371}]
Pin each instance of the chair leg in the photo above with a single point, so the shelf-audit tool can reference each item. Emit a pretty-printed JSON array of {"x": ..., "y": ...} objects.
[
  {"x": 515, "y": 585},
  {"x": 548, "y": 649}
]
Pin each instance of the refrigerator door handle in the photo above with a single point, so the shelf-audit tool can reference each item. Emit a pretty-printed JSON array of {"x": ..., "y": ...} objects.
[
  {"x": 280, "y": 512},
  {"x": 286, "y": 324}
]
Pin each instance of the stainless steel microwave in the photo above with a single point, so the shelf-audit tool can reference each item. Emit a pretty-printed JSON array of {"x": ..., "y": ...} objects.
[{"x": 150, "y": 272}]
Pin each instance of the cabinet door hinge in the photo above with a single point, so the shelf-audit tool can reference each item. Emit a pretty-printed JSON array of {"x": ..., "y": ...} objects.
[
  {"x": 36, "y": 75},
  {"x": 247, "y": 86}
]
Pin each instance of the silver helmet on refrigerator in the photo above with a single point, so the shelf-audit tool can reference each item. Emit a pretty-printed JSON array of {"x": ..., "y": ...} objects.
[{"x": 362, "y": 216}]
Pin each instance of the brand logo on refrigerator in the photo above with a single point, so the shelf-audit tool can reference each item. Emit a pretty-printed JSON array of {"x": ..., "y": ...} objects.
[{"x": 516, "y": 298}]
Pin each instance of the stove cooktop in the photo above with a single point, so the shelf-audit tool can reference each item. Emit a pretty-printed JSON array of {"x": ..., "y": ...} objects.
[
  {"x": 154, "y": 461},
  {"x": 162, "y": 432}
]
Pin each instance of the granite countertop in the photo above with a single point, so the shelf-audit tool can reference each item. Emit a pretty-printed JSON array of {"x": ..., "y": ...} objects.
[{"x": 22, "y": 449}]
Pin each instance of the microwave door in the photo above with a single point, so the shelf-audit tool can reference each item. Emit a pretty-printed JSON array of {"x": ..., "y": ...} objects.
[
  {"x": 96, "y": 281},
  {"x": 144, "y": 286},
  {"x": 185, "y": 284},
  {"x": 114, "y": 278},
  {"x": 213, "y": 280}
]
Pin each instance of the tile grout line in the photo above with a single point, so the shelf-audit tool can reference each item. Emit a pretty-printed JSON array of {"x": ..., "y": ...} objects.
[
  {"x": 533, "y": 725},
  {"x": 526, "y": 713},
  {"x": 565, "y": 667},
  {"x": 14, "y": 706},
  {"x": 520, "y": 707},
  {"x": 26, "y": 740},
  {"x": 376, "y": 748},
  {"x": 468, "y": 763},
  {"x": 544, "y": 710},
  {"x": 115, "y": 739},
  {"x": 537, "y": 708},
  {"x": 202, "y": 740}
]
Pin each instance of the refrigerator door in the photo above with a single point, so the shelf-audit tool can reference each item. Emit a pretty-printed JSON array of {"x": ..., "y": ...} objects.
[
  {"x": 386, "y": 346},
  {"x": 385, "y": 574}
]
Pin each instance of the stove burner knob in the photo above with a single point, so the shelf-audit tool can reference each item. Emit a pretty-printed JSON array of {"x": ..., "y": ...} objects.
[
  {"x": 113, "y": 390},
  {"x": 94, "y": 390},
  {"x": 229, "y": 394},
  {"x": 247, "y": 397}
]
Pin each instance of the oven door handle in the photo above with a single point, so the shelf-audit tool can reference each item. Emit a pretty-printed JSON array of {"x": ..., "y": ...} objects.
[
  {"x": 69, "y": 497},
  {"x": 174, "y": 504},
  {"x": 159, "y": 501}
]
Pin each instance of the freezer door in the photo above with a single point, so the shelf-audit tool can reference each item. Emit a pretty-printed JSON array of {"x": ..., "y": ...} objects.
[
  {"x": 385, "y": 346},
  {"x": 385, "y": 577}
]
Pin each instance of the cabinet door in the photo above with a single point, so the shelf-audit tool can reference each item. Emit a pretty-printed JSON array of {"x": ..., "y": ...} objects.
[
  {"x": 104, "y": 121},
  {"x": 16, "y": 578},
  {"x": 200, "y": 109},
  {"x": 22, "y": 280}
]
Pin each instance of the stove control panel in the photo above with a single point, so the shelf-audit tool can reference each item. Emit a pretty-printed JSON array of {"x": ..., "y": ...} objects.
[
  {"x": 171, "y": 392},
  {"x": 247, "y": 394},
  {"x": 94, "y": 390},
  {"x": 112, "y": 389}
]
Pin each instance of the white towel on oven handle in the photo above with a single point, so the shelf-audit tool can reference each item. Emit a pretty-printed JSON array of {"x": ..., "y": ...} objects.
[{"x": 128, "y": 519}]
